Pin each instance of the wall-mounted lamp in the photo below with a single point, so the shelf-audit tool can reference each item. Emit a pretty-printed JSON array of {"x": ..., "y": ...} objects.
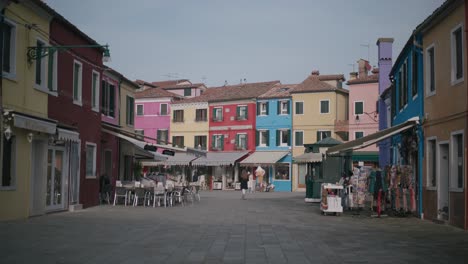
[
  {"x": 8, "y": 133},
  {"x": 29, "y": 137},
  {"x": 39, "y": 52}
]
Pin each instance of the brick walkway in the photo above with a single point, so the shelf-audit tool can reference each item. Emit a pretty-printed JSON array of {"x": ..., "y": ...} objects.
[{"x": 222, "y": 228}]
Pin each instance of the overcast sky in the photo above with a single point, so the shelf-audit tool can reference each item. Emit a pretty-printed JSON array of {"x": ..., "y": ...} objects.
[{"x": 260, "y": 40}]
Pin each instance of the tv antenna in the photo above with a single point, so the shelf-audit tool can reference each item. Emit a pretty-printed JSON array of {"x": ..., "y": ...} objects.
[{"x": 368, "y": 50}]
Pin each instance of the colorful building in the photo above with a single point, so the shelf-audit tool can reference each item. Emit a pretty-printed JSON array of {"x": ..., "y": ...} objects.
[
  {"x": 445, "y": 111},
  {"x": 274, "y": 137},
  {"x": 320, "y": 105},
  {"x": 183, "y": 88}
]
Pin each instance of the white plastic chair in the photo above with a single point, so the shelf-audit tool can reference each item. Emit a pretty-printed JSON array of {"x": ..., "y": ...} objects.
[{"x": 159, "y": 194}]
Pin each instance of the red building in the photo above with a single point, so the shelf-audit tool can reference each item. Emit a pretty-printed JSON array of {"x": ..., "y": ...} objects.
[{"x": 74, "y": 102}]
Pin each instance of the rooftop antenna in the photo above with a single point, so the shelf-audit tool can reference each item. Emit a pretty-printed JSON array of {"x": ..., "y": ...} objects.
[
  {"x": 368, "y": 50},
  {"x": 352, "y": 65}
]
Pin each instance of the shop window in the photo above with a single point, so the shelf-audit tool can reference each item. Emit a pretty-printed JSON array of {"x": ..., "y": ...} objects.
[{"x": 282, "y": 172}]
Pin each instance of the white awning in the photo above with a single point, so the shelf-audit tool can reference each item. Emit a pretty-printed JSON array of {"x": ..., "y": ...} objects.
[
  {"x": 264, "y": 157},
  {"x": 309, "y": 157},
  {"x": 219, "y": 158},
  {"x": 373, "y": 138},
  {"x": 34, "y": 124},
  {"x": 179, "y": 158},
  {"x": 67, "y": 135}
]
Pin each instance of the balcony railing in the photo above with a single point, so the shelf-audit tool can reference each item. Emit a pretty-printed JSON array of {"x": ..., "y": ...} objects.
[{"x": 341, "y": 125}]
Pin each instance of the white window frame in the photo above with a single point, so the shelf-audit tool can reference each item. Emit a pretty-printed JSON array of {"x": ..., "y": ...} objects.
[
  {"x": 452, "y": 161},
  {"x": 354, "y": 106},
  {"x": 320, "y": 107},
  {"x": 142, "y": 109},
  {"x": 167, "y": 109},
  {"x": 282, "y": 144},
  {"x": 283, "y": 107},
  {"x": 427, "y": 71},
  {"x": 262, "y": 105},
  {"x": 453, "y": 55},
  {"x": 244, "y": 116},
  {"x": 243, "y": 135},
  {"x": 13, "y": 186},
  {"x": 321, "y": 131},
  {"x": 94, "y": 160},
  {"x": 78, "y": 101},
  {"x": 295, "y": 107},
  {"x": 220, "y": 116},
  {"x": 260, "y": 133},
  {"x": 217, "y": 139},
  {"x": 363, "y": 134},
  {"x": 13, "y": 43},
  {"x": 428, "y": 164},
  {"x": 299, "y": 131},
  {"x": 97, "y": 91}
]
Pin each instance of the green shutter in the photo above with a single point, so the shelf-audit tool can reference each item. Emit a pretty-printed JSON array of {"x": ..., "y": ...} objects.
[
  {"x": 257, "y": 138},
  {"x": 289, "y": 137},
  {"x": 258, "y": 108},
  {"x": 278, "y": 140},
  {"x": 50, "y": 72},
  {"x": 158, "y": 136},
  {"x": 238, "y": 112},
  {"x": 112, "y": 100},
  {"x": 246, "y": 141},
  {"x": 182, "y": 141},
  {"x": 103, "y": 96},
  {"x": 222, "y": 142},
  {"x": 246, "y": 112},
  {"x": 237, "y": 140},
  {"x": 318, "y": 136},
  {"x": 173, "y": 141},
  {"x": 267, "y": 108},
  {"x": 76, "y": 70},
  {"x": 213, "y": 140},
  {"x": 279, "y": 107},
  {"x": 214, "y": 114},
  {"x": 38, "y": 63},
  {"x": 268, "y": 138},
  {"x": 288, "y": 106}
]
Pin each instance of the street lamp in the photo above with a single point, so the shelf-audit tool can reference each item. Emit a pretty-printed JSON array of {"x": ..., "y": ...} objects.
[{"x": 39, "y": 52}]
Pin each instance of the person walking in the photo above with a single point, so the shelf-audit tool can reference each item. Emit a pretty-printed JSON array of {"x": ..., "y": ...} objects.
[{"x": 243, "y": 181}]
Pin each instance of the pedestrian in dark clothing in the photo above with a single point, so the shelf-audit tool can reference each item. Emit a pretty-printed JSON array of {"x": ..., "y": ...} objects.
[{"x": 244, "y": 179}]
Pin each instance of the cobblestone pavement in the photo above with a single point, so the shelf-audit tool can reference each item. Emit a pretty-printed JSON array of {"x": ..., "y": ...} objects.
[{"x": 222, "y": 228}]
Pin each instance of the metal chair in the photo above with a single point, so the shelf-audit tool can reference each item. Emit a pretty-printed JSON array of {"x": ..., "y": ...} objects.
[
  {"x": 159, "y": 194},
  {"x": 120, "y": 192},
  {"x": 140, "y": 194}
]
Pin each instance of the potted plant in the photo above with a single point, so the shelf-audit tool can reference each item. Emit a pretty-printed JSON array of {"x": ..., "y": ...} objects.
[{"x": 137, "y": 168}]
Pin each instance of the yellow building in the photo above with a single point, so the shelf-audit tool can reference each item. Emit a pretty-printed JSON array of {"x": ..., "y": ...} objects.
[
  {"x": 445, "y": 78},
  {"x": 26, "y": 84},
  {"x": 318, "y": 102}
]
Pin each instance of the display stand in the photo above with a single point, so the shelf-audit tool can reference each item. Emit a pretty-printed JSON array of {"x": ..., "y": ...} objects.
[{"x": 331, "y": 200}]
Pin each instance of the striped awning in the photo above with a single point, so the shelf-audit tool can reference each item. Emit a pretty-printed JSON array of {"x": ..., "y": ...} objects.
[
  {"x": 264, "y": 157},
  {"x": 309, "y": 157},
  {"x": 219, "y": 158}
]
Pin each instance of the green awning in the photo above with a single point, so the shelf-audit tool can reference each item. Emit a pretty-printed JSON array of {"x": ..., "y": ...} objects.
[{"x": 365, "y": 156}]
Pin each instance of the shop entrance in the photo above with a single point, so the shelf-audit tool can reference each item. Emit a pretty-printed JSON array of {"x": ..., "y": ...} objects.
[
  {"x": 55, "y": 187},
  {"x": 443, "y": 183}
]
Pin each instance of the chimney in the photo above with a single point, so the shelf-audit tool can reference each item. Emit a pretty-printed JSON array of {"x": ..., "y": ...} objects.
[
  {"x": 353, "y": 76},
  {"x": 363, "y": 68},
  {"x": 315, "y": 73},
  {"x": 384, "y": 46},
  {"x": 375, "y": 70}
]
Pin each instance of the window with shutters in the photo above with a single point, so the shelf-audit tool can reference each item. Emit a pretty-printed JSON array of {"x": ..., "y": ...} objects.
[
  {"x": 262, "y": 138},
  {"x": 262, "y": 108},
  {"x": 299, "y": 138},
  {"x": 241, "y": 112},
  {"x": 218, "y": 142},
  {"x": 218, "y": 114},
  {"x": 163, "y": 109},
  {"x": 284, "y": 107},
  {"x": 108, "y": 98},
  {"x": 299, "y": 108},
  {"x": 324, "y": 106},
  {"x": 95, "y": 91},
  {"x": 9, "y": 49},
  {"x": 358, "y": 108},
  {"x": 414, "y": 74},
  {"x": 201, "y": 115},
  {"x": 283, "y": 138},
  {"x": 178, "y": 116},
  {"x": 77, "y": 82},
  {"x": 162, "y": 136},
  {"x": 323, "y": 134},
  {"x": 457, "y": 54},
  {"x": 200, "y": 142},
  {"x": 178, "y": 141},
  {"x": 130, "y": 115},
  {"x": 241, "y": 141}
]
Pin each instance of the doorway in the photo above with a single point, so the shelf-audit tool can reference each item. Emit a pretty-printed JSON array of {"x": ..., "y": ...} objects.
[
  {"x": 55, "y": 179},
  {"x": 443, "y": 183}
]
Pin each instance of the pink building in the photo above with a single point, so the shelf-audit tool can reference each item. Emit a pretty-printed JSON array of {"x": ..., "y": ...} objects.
[
  {"x": 153, "y": 112},
  {"x": 363, "y": 112},
  {"x": 182, "y": 87}
]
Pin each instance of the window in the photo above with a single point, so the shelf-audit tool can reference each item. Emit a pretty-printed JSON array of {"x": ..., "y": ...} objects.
[
  {"x": 52, "y": 71},
  {"x": 299, "y": 108},
  {"x": 162, "y": 136},
  {"x": 282, "y": 172},
  {"x": 262, "y": 138},
  {"x": 457, "y": 162},
  {"x": 163, "y": 109},
  {"x": 8, "y": 170},
  {"x": 178, "y": 116},
  {"x": 77, "y": 81},
  {"x": 404, "y": 85},
  {"x": 218, "y": 114},
  {"x": 108, "y": 98},
  {"x": 187, "y": 92},
  {"x": 40, "y": 66},
  {"x": 282, "y": 138},
  {"x": 323, "y": 134},
  {"x": 140, "y": 110},
  {"x": 200, "y": 142},
  {"x": 9, "y": 49},
  {"x": 262, "y": 108},
  {"x": 283, "y": 107},
  {"x": 95, "y": 91},
  {"x": 414, "y": 84},
  {"x": 178, "y": 141},
  {"x": 90, "y": 160},
  {"x": 241, "y": 141},
  {"x": 457, "y": 55},
  {"x": 358, "y": 134},
  {"x": 140, "y": 131},
  {"x": 400, "y": 89},
  {"x": 324, "y": 106},
  {"x": 299, "y": 138},
  {"x": 241, "y": 112},
  {"x": 358, "y": 108},
  {"x": 430, "y": 70},
  {"x": 431, "y": 163},
  {"x": 201, "y": 115},
  {"x": 130, "y": 111},
  {"x": 218, "y": 142}
]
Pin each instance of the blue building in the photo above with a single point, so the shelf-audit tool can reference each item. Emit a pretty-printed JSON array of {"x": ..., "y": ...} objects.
[
  {"x": 407, "y": 103},
  {"x": 273, "y": 138}
]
